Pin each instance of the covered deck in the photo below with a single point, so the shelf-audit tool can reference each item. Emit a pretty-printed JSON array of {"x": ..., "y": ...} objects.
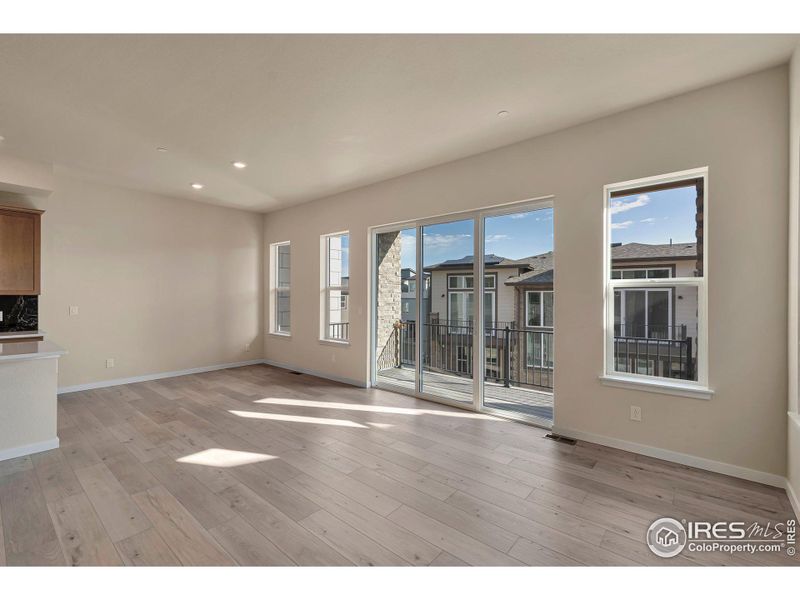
[{"x": 532, "y": 404}]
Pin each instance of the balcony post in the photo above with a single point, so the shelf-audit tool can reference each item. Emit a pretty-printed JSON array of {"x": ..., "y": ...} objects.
[
  {"x": 398, "y": 332},
  {"x": 507, "y": 357}
]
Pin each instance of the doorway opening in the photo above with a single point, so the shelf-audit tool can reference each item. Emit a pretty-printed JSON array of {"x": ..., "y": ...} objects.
[{"x": 474, "y": 334}]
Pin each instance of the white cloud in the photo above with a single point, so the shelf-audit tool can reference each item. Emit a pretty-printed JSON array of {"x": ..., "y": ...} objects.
[
  {"x": 648, "y": 220},
  {"x": 618, "y": 206},
  {"x": 443, "y": 240},
  {"x": 519, "y": 215},
  {"x": 623, "y": 225},
  {"x": 408, "y": 243},
  {"x": 497, "y": 237}
]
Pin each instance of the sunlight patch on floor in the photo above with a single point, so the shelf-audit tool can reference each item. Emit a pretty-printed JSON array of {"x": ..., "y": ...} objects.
[
  {"x": 392, "y": 410},
  {"x": 297, "y": 419},
  {"x": 220, "y": 457}
]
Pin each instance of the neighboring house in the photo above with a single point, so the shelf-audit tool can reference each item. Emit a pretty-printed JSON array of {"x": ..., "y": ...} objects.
[
  {"x": 452, "y": 289},
  {"x": 519, "y": 314},
  {"x": 408, "y": 283},
  {"x": 450, "y": 316},
  {"x": 663, "y": 313}
]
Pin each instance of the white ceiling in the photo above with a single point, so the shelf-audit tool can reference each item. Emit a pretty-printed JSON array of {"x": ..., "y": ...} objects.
[{"x": 316, "y": 115}]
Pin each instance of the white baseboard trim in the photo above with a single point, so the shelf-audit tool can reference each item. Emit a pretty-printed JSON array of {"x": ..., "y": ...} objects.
[
  {"x": 153, "y": 376},
  {"x": 794, "y": 499},
  {"x": 29, "y": 449},
  {"x": 677, "y": 457},
  {"x": 345, "y": 380}
]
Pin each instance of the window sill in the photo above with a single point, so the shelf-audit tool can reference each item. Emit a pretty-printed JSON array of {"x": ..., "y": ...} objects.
[
  {"x": 280, "y": 334},
  {"x": 334, "y": 342},
  {"x": 672, "y": 389}
]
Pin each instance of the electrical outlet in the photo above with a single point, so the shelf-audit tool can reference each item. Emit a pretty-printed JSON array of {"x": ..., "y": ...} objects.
[
  {"x": 247, "y": 347},
  {"x": 73, "y": 310},
  {"x": 109, "y": 363},
  {"x": 636, "y": 413}
]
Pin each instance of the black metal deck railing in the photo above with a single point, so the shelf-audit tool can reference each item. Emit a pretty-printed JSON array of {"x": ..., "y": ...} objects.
[
  {"x": 513, "y": 356},
  {"x": 524, "y": 356},
  {"x": 655, "y": 349}
]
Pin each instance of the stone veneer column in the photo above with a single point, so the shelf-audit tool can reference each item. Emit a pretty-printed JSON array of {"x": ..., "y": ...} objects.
[{"x": 389, "y": 309}]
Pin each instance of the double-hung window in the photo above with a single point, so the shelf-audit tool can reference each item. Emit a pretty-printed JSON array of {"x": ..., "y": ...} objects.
[
  {"x": 281, "y": 313},
  {"x": 539, "y": 309},
  {"x": 656, "y": 279},
  {"x": 336, "y": 287},
  {"x": 539, "y": 320},
  {"x": 460, "y": 299}
]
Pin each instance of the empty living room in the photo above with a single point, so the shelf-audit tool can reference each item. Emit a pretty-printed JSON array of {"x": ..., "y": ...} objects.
[{"x": 291, "y": 290}]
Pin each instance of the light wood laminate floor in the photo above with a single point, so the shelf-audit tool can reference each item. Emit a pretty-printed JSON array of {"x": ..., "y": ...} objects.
[{"x": 259, "y": 466}]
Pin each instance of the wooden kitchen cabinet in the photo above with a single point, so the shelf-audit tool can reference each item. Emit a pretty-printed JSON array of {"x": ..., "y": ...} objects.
[{"x": 20, "y": 251}]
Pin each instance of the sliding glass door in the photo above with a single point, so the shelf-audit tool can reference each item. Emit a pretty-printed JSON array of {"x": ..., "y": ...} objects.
[
  {"x": 518, "y": 337},
  {"x": 476, "y": 334},
  {"x": 448, "y": 310}
]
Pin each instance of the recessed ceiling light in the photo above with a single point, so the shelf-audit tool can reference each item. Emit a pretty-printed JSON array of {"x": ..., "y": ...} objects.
[
  {"x": 2, "y": 139},
  {"x": 239, "y": 164},
  {"x": 197, "y": 186},
  {"x": 503, "y": 114},
  {"x": 161, "y": 149}
]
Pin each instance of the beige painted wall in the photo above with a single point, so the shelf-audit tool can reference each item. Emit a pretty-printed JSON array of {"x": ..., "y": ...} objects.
[
  {"x": 738, "y": 129},
  {"x": 161, "y": 284},
  {"x": 793, "y": 455}
]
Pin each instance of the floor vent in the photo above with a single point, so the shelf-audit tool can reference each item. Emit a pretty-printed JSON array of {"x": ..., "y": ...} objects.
[
  {"x": 295, "y": 372},
  {"x": 560, "y": 438}
]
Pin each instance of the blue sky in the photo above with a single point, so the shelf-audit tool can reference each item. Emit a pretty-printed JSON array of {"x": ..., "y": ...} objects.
[
  {"x": 345, "y": 256},
  {"x": 654, "y": 218},
  {"x": 511, "y": 236}
]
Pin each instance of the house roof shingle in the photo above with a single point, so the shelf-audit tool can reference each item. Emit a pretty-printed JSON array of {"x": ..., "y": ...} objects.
[
  {"x": 540, "y": 266},
  {"x": 636, "y": 251},
  {"x": 541, "y": 270},
  {"x": 466, "y": 261}
]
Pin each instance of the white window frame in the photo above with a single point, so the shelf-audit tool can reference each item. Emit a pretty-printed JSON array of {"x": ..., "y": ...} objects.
[
  {"x": 529, "y": 337},
  {"x": 491, "y": 290},
  {"x": 326, "y": 289},
  {"x": 465, "y": 293},
  {"x": 647, "y": 271},
  {"x": 275, "y": 288},
  {"x": 492, "y": 276},
  {"x": 622, "y": 299},
  {"x": 541, "y": 306},
  {"x": 699, "y": 389}
]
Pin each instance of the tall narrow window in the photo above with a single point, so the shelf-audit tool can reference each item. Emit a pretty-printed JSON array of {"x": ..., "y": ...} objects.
[
  {"x": 539, "y": 309},
  {"x": 281, "y": 317},
  {"x": 656, "y": 280},
  {"x": 336, "y": 293}
]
